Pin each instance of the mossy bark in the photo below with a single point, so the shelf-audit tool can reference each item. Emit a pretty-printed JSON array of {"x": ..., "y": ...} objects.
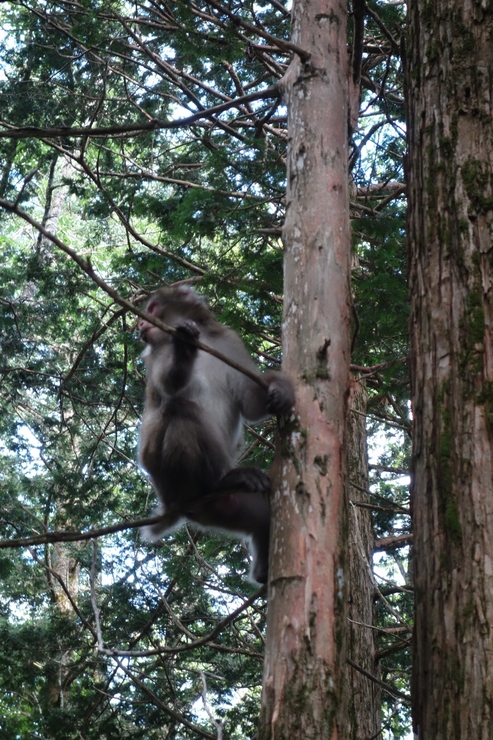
[{"x": 449, "y": 79}]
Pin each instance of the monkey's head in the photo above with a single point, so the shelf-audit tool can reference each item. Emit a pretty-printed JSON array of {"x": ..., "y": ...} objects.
[{"x": 173, "y": 305}]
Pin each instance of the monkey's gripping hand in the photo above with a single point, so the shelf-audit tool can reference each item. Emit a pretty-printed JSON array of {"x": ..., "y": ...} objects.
[
  {"x": 280, "y": 395},
  {"x": 185, "y": 353},
  {"x": 188, "y": 329}
]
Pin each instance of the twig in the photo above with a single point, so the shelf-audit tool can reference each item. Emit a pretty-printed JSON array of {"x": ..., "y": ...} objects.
[
  {"x": 371, "y": 574},
  {"x": 161, "y": 705},
  {"x": 383, "y": 28},
  {"x": 376, "y": 368},
  {"x": 280, "y": 43}
]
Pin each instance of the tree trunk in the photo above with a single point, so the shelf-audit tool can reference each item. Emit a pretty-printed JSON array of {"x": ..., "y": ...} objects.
[
  {"x": 305, "y": 654},
  {"x": 450, "y": 82},
  {"x": 363, "y": 715}
]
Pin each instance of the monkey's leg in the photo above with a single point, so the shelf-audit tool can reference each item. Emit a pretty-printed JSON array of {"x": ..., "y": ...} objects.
[
  {"x": 243, "y": 514},
  {"x": 259, "y": 550},
  {"x": 247, "y": 509}
]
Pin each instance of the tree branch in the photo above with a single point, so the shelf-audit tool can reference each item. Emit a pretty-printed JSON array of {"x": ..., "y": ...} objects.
[
  {"x": 26, "y": 132},
  {"x": 391, "y": 543},
  {"x": 163, "y": 649},
  {"x": 164, "y": 707},
  {"x": 280, "y": 43}
]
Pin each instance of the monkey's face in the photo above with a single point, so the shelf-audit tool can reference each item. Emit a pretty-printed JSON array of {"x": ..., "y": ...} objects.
[
  {"x": 150, "y": 333},
  {"x": 172, "y": 306}
]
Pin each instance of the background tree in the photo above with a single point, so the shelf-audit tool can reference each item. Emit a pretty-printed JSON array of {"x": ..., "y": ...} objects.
[
  {"x": 450, "y": 212},
  {"x": 109, "y": 141}
]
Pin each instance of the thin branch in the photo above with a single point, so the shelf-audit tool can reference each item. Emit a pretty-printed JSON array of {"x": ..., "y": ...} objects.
[
  {"x": 393, "y": 631},
  {"x": 66, "y": 591},
  {"x": 396, "y": 194},
  {"x": 385, "y": 686},
  {"x": 218, "y": 723},
  {"x": 372, "y": 575},
  {"x": 376, "y": 368},
  {"x": 384, "y": 29},
  {"x": 164, "y": 707},
  {"x": 95, "y": 336},
  {"x": 263, "y": 440},
  {"x": 374, "y": 507},
  {"x": 395, "y": 648},
  {"x": 66, "y": 536},
  {"x": 182, "y": 183},
  {"x": 94, "y": 601},
  {"x": 389, "y": 469}
]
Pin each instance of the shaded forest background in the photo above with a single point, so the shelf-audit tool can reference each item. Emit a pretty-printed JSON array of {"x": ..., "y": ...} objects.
[{"x": 108, "y": 141}]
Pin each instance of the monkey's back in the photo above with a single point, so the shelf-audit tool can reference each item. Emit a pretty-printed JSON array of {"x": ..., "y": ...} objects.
[{"x": 194, "y": 436}]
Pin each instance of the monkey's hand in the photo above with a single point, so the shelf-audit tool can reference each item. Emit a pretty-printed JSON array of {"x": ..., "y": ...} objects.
[
  {"x": 189, "y": 329},
  {"x": 280, "y": 395}
]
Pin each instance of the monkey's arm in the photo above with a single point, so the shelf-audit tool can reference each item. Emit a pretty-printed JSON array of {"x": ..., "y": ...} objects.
[
  {"x": 257, "y": 403},
  {"x": 184, "y": 356}
]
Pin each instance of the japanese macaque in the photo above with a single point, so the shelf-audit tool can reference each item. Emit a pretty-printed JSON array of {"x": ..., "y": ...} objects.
[{"x": 192, "y": 427}]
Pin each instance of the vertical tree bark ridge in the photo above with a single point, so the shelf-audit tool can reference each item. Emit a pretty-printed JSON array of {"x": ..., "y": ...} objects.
[
  {"x": 450, "y": 127},
  {"x": 305, "y": 654}
]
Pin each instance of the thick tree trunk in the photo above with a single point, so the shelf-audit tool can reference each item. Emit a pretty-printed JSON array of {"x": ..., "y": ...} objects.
[
  {"x": 364, "y": 699},
  {"x": 305, "y": 653},
  {"x": 450, "y": 84}
]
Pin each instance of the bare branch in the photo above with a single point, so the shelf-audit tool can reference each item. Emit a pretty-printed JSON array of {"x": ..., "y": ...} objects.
[{"x": 390, "y": 543}]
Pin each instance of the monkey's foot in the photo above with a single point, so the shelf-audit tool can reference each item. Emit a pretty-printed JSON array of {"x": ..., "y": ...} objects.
[{"x": 249, "y": 480}]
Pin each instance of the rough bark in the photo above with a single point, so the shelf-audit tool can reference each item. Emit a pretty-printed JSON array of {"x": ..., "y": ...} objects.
[
  {"x": 363, "y": 715},
  {"x": 450, "y": 123},
  {"x": 305, "y": 653}
]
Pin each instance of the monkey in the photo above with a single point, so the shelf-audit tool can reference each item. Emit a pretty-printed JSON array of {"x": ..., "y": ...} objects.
[{"x": 191, "y": 434}]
